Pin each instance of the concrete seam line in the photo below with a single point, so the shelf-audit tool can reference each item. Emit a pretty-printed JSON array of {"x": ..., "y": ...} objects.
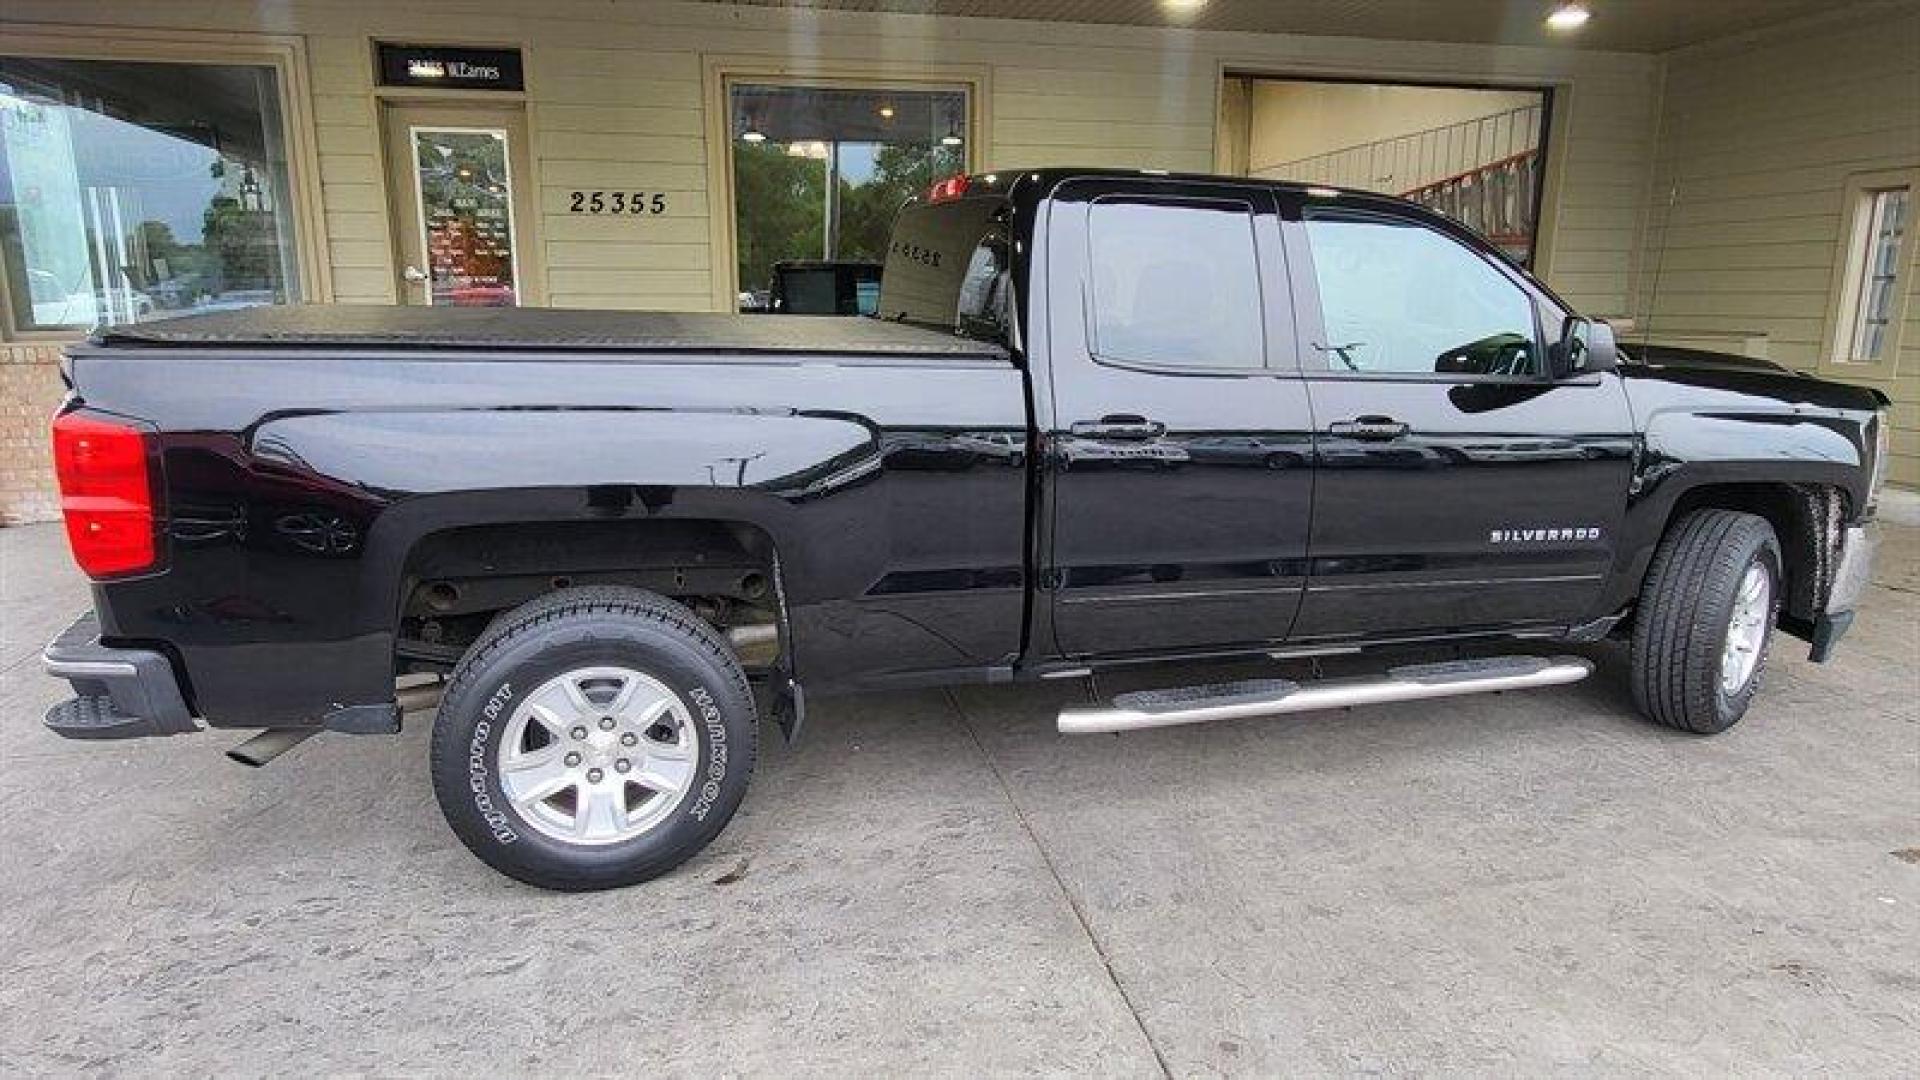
[{"x": 1059, "y": 883}]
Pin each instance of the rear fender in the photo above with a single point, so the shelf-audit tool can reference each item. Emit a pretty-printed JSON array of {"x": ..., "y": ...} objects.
[{"x": 423, "y": 473}]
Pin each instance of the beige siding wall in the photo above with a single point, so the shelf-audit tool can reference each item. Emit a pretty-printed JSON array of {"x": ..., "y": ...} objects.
[
  {"x": 617, "y": 100},
  {"x": 1757, "y": 140}
]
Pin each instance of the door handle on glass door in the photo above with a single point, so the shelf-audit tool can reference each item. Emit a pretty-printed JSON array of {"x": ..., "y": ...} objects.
[{"x": 1372, "y": 428}]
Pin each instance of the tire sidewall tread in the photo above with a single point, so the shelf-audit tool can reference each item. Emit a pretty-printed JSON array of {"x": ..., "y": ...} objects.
[
  {"x": 566, "y": 630},
  {"x": 1682, "y": 621}
]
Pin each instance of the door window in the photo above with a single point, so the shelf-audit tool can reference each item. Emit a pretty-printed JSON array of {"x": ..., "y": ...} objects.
[
  {"x": 1399, "y": 298},
  {"x": 1175, "y": 284},
  {"x": 464, "y": 185}
]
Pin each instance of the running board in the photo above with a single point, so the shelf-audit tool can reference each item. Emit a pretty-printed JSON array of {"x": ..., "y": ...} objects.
[{"x": 1272, "y": 697}]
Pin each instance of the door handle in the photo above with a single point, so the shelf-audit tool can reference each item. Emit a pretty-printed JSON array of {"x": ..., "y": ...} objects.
[
  {"x": 414, "y": 274},
  {"x": 1119, "y": 426},
  {"x": 1371, "y": 428}
]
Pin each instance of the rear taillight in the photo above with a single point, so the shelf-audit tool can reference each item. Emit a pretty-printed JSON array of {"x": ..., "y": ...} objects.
[
  {"x": 953, "y": 187},
  {"x": 104, "y": 493}
]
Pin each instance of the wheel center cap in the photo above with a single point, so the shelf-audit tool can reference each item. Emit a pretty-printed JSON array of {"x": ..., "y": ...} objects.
[{"x": 601, "y": 748}]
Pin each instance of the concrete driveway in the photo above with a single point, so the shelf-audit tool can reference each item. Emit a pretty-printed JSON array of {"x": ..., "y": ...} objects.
[{"x": 936, "y": 883}]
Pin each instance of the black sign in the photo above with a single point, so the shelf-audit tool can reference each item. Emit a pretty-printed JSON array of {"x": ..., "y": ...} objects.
[{"x": 461, "y": 69}]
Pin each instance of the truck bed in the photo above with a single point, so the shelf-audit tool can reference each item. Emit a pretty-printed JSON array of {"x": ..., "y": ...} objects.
[{"x": 518, "y": 331}]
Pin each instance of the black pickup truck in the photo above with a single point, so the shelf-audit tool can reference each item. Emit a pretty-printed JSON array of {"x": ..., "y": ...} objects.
[{"x": 1103, "y": 418}]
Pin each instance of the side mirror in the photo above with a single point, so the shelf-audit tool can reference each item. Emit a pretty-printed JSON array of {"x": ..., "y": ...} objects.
[{"x": 1585, "y": 345}]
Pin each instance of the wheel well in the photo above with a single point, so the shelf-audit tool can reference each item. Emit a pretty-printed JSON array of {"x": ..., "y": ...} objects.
[
  {"x": 456, "y": 581},
  {"x": 1805, "y": 517}
]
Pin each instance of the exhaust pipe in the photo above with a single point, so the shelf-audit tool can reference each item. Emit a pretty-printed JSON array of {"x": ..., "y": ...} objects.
[
  {"x": 270, "y": 744},
  {"x": 420, "y": 697}
]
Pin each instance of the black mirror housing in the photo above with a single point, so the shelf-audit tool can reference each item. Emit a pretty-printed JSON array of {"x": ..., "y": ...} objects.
[
  {"x": 1603, "y": 350},
  {"x": 1585, "y": 345}
]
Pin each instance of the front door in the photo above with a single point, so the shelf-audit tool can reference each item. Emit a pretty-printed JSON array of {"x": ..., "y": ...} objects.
[
  {"x": 462, "y": 224},
  {"x": 1457, "y": 486},
  {"x": 1179, "y": 442}
]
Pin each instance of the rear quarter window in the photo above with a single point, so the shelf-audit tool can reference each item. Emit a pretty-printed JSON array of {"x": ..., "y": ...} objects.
[{"x": 946, "y": 268}]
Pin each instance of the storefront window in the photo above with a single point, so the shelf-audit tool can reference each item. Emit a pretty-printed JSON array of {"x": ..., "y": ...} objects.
[
  {"x": 819, "y": 173},
  {"x": 133, "y": 190}
]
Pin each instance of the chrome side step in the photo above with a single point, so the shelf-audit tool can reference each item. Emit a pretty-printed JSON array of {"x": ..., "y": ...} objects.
[{"x": 1273, "y": 697}]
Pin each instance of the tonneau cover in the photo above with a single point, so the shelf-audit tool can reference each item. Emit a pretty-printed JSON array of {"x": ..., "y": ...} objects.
[{"x": 390, "y": 327}]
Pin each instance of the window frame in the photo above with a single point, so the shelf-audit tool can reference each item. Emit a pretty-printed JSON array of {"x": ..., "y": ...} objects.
[
  {"x": 285, "y": 54},
  {"x": 1849, "y": 277},
  {"x": 1262, "y": 285},
  {"x": 1307, "y": 285}
]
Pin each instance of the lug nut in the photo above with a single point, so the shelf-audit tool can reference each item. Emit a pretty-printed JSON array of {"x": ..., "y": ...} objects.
[
  {"x": 579, "y": 732},
  {"x": 572, "y": 760},
  {"x": 629, "y": 739},
  {"x": 594, "y": 776},
  {"x": 606, "y": 723},
  {"x": 622, "y": 765}
]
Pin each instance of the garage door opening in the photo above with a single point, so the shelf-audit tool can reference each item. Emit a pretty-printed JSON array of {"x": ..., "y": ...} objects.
[{"x": 1473, "y": 153}]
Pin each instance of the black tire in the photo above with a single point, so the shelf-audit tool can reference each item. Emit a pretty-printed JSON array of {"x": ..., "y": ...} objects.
[
  {"x": 565, "y": 631},
  {"x": 1683, "y": 619}
]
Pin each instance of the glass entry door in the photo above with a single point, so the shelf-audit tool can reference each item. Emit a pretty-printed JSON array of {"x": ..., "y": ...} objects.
[{"x": 461, "y": 223}]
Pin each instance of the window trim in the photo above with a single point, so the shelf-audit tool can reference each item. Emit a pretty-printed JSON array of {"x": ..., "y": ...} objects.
[
  {"x": 285, "y": 54},
  {"x": 1309, "y": 288},
  {"x": 1856, "y": 206},
  {"x": 1261, "y": 288}
]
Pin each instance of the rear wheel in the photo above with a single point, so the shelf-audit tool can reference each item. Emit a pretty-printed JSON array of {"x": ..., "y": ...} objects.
[
  {"x": 593, "y": 738},
  {"x": 1705, "y": 620}
]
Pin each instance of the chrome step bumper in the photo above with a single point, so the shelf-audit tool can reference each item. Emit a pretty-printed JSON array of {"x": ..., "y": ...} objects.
[{"x": 1273, "y": 697}]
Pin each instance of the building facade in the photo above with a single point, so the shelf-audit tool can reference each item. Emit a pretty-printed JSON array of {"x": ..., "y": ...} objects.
[{"x": 579, "y": 153}]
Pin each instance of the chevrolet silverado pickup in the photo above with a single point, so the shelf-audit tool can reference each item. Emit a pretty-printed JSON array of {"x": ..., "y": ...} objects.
[{"x": 1102, "y": 418}]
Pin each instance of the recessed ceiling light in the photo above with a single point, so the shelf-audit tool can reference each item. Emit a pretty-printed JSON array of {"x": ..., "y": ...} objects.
[
  {"x": 886, "y": 112},
  {"x": 1568, "y": 17},
  {"x": 1183, "y": 7}
]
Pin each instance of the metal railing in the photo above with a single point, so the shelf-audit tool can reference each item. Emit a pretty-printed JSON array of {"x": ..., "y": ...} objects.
[{"x": 1483, "y": 172}]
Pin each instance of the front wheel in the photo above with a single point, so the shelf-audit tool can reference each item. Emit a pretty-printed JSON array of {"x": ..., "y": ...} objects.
[
  {"x": 1705, "y": 620},
  {"x": 593, "y": 738}
]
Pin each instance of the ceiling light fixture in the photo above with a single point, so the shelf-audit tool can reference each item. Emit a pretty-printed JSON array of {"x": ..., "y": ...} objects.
[
  {"x": 1568, "y": 17},
  {"x": 1182, "y": 7},
  {"x": 751, "y": 135},
  {"x": 886, "y": 112}
]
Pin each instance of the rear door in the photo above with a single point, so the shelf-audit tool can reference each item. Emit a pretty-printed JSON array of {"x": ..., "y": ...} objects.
[
  {"x": 1457, "y": 486},
  {"x": 1177, "y": 438}
]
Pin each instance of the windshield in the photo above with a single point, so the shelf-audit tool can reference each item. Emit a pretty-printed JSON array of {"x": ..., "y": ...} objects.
[{"x": 947, "y": 268}]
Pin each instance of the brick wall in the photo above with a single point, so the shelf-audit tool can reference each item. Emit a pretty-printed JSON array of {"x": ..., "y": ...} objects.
[{"x": 30, "y": 389}]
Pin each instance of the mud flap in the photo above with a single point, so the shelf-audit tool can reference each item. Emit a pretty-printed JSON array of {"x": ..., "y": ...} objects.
[{"x": 788, "y": 707}]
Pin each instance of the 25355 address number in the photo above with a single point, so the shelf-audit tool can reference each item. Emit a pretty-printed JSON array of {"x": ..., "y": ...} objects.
[{"x": 617, "y": 202}]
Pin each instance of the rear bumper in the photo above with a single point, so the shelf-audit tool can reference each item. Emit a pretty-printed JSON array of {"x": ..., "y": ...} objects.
[
  {"x": 1858, "y": 547},
  {"x": 118, "y": 693}
]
